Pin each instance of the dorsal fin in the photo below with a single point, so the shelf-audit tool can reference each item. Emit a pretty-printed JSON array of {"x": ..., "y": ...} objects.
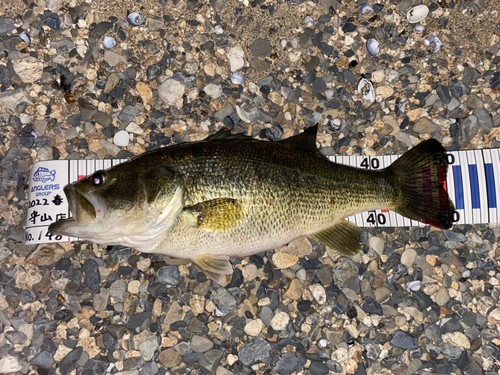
[
  {"x": 226, "y": 135},
  {"x": 303, "y": 141}
]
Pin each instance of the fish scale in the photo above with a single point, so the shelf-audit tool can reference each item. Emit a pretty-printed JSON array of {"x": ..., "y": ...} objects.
[{"x": 279, "y": 199}]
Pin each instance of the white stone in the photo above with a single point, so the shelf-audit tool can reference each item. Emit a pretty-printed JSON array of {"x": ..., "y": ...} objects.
[
  {"x": 9, "y": 364},
  {"x": 134, "y": 128},
  {"x": 236, "y": 62},
  {"x": 121, "y": 138},
  {"x": 414, "y": 286},
  {"x": 250, "y": 272},
  {"x": 495, "y": 314},
  {"x": 236, "y": 58},
  {"x": 170, "y": 91},
  {"x": 318, "y": 293},
  {"x": 28, "y": 68},
  {"x": 377, "y": 244},
  {"x": 280, "y": 321},
  {"x": 408, "y": 257},
  {"x": 254, "y": 327},
  {"x": 213, "y": 90}
]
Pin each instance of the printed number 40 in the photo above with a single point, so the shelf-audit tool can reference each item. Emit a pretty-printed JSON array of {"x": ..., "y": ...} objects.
[
  {"x": 374, "y": 163},
  {"x": 376, "y": 219}
]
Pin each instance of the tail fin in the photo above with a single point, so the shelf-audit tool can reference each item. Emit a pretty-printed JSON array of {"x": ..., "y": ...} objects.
[{"x": 421, "y": 178}]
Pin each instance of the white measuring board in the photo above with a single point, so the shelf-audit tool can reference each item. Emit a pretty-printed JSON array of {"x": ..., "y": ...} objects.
[
  {"x": 47, "y": 202},
  {"x": 473, "y": 184}
]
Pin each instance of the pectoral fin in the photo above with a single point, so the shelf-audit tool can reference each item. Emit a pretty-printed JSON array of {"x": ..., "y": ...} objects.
[
  {"x": 216, "y": 214},
  {"x": 214, "y": 266},
  {"x": 342, "y": 237}
]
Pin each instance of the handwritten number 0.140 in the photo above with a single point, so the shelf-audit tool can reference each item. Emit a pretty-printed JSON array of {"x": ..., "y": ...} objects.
[
  {"x": 57, "y": 237},
  {"x": 30, "y": 237},
  {"x": 374, "y": 163}
]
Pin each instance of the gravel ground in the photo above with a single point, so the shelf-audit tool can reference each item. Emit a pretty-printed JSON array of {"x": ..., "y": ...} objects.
[{"x": 416, "y": 301}]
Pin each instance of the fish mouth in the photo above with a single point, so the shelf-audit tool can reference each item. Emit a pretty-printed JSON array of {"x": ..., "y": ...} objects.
[
  {"x": 85, "y": 205},
  {"x": 63, "y": 227},
  {"x": 85, "y": 209}
]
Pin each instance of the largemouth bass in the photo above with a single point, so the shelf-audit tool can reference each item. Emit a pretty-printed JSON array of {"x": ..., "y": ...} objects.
[{"x": 234, "y": 196}]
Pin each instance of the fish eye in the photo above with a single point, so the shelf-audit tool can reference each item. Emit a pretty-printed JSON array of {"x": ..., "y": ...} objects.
[{"x": 98, "y": 178}]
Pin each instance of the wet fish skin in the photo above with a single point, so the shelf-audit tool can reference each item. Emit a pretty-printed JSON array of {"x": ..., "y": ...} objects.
[{"x": 231, "y": 196}]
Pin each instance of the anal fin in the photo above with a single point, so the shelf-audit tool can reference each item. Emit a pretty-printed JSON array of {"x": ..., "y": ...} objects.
[
  {"x": 216, "y": 214},
  {"x": 215, "y": 267},
  {"x": 342, "y": 237}
]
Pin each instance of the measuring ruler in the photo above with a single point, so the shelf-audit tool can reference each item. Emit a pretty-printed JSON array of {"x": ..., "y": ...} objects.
[{"x": 473, "y": 184}]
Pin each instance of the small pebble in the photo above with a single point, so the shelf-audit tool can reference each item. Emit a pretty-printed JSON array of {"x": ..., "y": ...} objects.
[{"x": 121, "y": 138}]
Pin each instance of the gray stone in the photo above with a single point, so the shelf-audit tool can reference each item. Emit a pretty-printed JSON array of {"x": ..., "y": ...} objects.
[
  {"x": 287, "y": 363},
  {"x": 43, "y": 359},
  {"x": 11, "y": 155},
  {"x": 117, "y": 330},
  {"x": 382, "y": 294},
  {"x": 168, "y": 275},
  {"x": 344, "y": 270},
  {"x": 87, "y": 111},
  {"x": 150, "y": 368},
  {"x": 113, "y": 58},
  {"x": 253, "y": 351},
  {"x": 455, "y": 236},
  {"x": 224, "y": 301},
  {"x": 261, "y": 47},
  {"x": 201, "y": 344},
  {"x": 325, "y": 275},
  {"x": 92, "y": 274},
  {"x": 117, "y": 290},
  {"x": 103, "y": 119},
  {"x": 213, "y": 90},
  {"x": 453, "y": 104},
  {"x": 431, "y": 99},
  {"x": 266, "y": 315},
  {"x": 148, "y": 347},
  {"x": 433, "y": 332},
  {"x": 318, "y": 368},
  {"x": 404, "y": 340},
  {"x": 451, "y": 352},
  {"x": 248, "y": 113},
  {"x": 224, "y": 112},
  {"x": 424, "y": 125},
  {"x": 110, "y": 148},
  {"x": 484, "y": 119},
  {"x": 127, "y": 114},
  {"x": 443, "y": 93},
  {"x": 319, "y": 85},
  {"x": 100, "y": 300},
  {"x": 442, "y": 297},
  {"x": 328, "y": 5},
  {"x": 170, "y": 91},
  {"x": 474, "y": 101},
  {"x": 68, "y": 363},
  {"x": 4, "y": 319},
  {"x": 468, "y": 129},
  {"x": 15, "y": 337},
  {"x": 414, "y": 367},
  {"x": 140, "y": 320},
  {"x": 6, "y": 25},
  {"x": 211, "y": 359}
]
